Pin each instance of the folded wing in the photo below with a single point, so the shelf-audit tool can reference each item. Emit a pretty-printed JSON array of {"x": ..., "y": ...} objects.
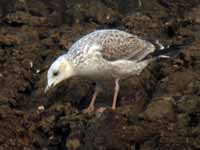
[{"x": 126, "y": 46}]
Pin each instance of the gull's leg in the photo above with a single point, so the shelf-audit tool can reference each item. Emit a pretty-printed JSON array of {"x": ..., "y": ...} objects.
[
  {"x": 115, "y": 94},
  {"x": 91, "y": 106}
]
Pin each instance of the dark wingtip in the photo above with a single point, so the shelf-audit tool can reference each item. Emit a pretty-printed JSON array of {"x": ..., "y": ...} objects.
[{"x": 174, "y": 49}]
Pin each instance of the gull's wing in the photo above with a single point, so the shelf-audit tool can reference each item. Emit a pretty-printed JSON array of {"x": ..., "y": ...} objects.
[
  {"x": 123, "y": 45},
  {"x": 112, "y": 45}
]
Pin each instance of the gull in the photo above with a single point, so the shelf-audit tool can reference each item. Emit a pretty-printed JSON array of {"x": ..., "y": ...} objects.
[{"x": 107, "y": 54}]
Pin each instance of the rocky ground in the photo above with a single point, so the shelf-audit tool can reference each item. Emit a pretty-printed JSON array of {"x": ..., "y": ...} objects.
[{"x": 158, "y": 110}]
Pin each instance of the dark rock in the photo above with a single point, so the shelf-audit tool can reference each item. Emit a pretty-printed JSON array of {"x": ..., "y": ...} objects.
[{"x": 161, "y": 108}]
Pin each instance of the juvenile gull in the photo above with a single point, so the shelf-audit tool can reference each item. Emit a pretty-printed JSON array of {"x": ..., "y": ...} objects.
[{"x": 107, "y": 54}]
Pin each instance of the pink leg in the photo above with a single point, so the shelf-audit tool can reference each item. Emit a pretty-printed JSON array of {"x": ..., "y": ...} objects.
[
  {"x": 91, "y": 107},
  {"x": 115, "y": 94}
]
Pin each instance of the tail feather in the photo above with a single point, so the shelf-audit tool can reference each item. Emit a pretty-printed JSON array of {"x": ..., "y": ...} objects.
[
  {"x": 167, "y": 52},
  {"x": 170, "y": 51}
]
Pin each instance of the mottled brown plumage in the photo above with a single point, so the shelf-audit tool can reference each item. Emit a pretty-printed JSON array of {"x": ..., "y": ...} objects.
[{"x": 115, "y": 45}]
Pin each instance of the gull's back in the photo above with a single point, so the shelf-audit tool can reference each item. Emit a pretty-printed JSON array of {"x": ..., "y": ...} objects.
[{"x": 115, "y": 44}]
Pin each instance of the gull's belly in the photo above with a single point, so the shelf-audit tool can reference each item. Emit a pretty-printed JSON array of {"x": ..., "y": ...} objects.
[
  {"x": 126, "y": 68},
  {"x": 97, "y": 70}
]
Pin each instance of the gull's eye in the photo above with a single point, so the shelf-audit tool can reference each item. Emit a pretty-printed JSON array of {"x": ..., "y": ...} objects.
[{"x": 55, "y": 73}]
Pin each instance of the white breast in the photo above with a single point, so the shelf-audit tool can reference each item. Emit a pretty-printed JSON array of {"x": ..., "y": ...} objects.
[{"x": 126, "y": 68}]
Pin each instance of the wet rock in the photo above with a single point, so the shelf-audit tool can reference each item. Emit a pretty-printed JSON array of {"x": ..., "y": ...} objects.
[
  {"x": 73, "y": 144},
  {"x": 98, "y": 133},
  {"x": 174, "y": 84},
  {"x": 40, "y": 109},
  {"x": 188, "y": 104},
  {"x": 103, "y": 15},
  {"x": 183, "y": 120},
  {"x": 6, "y": 8},
  {"x": 195, "y": 15},
  {"x": 22, "y": 18},
  {"x": 161, "y": 108}
]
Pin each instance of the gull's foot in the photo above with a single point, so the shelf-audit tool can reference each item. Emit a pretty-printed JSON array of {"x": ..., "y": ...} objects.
[
  {"x": 101, "y": 109},
  {"x": 92, "y": 109},
  {"x": 88, "y": 110},
  {"x": 113, "y": 108}
]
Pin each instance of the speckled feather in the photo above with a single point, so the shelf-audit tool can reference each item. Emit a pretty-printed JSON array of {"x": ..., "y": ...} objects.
[
  {"x": 101, "y": 56},
  {"x": 116, "y": 45}
]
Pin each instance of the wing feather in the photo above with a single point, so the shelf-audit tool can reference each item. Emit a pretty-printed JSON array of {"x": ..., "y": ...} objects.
[{"x": 125, "y": 46}]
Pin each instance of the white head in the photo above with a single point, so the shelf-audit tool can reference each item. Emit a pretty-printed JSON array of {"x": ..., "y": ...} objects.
[{"x": 60, "y": 70}]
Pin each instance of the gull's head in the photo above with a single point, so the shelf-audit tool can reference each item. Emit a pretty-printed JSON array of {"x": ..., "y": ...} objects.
[{"x": 60, "y": 70}]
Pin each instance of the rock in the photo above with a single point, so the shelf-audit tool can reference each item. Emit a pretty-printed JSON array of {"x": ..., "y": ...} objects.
[
  {"x": 174, "y": 85},
  {"x": 40, "y": 109},
  {"x": 188, "y": 104},
  {"x": 160, "y": 109},
  {"x": 183, "y": 120},
  {"x": 195, "y": 14},
  {"x": 73, "y": 144}
]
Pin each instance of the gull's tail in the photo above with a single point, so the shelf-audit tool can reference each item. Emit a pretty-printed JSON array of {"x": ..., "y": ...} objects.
[{"x": 169, "y": 51}]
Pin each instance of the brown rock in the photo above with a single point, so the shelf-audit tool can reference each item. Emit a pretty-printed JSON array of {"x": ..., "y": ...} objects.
[{"x": 160, "y": 109}]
